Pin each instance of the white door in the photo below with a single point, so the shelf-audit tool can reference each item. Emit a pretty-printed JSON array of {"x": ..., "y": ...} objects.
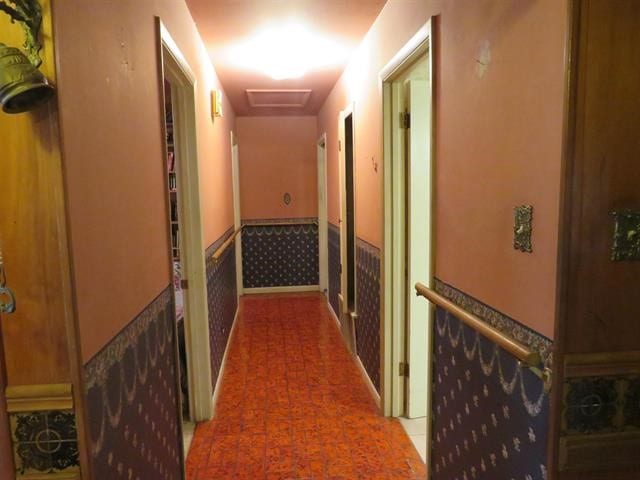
[
  {"x": 323, "y": 242},
  {"x": 237, "y": 217},
  {"x": 418, "y": 244}
]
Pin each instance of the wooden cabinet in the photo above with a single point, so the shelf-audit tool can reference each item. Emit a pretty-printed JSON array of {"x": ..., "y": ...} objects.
[{"x": 597, "y": 390}]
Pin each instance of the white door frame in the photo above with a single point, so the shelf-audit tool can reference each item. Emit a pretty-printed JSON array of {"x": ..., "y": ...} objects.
[
  {"x": 178, "y": 72},
  {"x": 323, "y": 241},
  {"x": 237, "y": 218},
  {"x": 347, "y": 318},
  {"x": 394, "y": 234}
]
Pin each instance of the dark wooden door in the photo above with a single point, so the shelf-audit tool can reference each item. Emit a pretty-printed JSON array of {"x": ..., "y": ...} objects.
[{"x": 596, "y": 392}]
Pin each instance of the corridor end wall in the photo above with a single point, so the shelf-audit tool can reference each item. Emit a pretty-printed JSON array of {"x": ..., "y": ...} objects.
[{"x": 278, "y": 184}]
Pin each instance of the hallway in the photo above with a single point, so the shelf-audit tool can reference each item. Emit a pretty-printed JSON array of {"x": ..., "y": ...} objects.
[{"x": 293, "y": 404}]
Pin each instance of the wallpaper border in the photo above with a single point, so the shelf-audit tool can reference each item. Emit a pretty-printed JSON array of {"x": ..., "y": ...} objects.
[
  {"x": 496, "y": 319},
  {"x": 97, "y": 368}
]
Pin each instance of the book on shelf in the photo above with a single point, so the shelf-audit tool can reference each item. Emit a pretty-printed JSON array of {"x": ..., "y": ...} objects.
[
  {"x": 171, "y": 162},
  {"x": 175, "y": 239}
]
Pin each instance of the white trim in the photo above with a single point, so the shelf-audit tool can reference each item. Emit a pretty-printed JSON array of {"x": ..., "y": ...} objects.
[
  {"x": 363, "y": 371},
  {"x": 406, "y": 52},
  {"x": 237, "y": 219},
  {"x": 323, "y": 241},
  {"x": 365, "y": 376},
  {"x": 292, "y": 289},
  {"x": 177, "y": 71},
  {"x": 172, "y": 47},
  {"x": 216, "y": 390},
  {"x": 333, "y": 315},
  {"x": 392, "y": 302}
]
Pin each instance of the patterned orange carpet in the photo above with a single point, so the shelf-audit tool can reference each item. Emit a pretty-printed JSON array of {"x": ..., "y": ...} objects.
[{"x": 293, "y": 404}]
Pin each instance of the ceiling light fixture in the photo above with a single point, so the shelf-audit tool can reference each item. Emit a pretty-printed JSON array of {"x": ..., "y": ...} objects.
[{"x": 287, "y": 50}]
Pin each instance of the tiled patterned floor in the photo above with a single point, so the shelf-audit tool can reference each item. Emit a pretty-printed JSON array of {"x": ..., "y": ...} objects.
[{"x": 294, "y": 406}]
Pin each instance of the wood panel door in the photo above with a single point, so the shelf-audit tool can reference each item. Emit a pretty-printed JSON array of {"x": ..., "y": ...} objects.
[
  {"x": 40, "y": 367},
  {"x": 597, "y": 361}
]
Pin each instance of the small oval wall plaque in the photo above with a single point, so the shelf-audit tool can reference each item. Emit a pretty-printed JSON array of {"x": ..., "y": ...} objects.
[{"x": 287, "y": 198}]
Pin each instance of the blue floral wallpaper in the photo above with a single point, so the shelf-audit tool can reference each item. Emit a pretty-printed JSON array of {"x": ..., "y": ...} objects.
[
  {"x": 222, "y": 298},
  {"x": 334, "y": 268},
  {"x": 280, "y": 255},
  {"x": 368, "y": 309},
  {"x": 490, "y": 415},
  {"x": 132, "y": 399}
]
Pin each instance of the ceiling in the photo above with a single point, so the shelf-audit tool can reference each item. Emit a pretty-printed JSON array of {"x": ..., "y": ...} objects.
[{"x": 229, "y": 29}]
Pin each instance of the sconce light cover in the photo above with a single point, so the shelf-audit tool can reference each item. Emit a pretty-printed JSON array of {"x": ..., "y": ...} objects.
[
  {"x": 216, "y": 103},
  {"x": 22, "y": 86}
]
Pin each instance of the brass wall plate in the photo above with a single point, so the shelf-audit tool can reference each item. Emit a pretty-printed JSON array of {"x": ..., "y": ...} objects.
[
  {"x": 522, "y": 228},
  {"x": 626, "y": 236}
]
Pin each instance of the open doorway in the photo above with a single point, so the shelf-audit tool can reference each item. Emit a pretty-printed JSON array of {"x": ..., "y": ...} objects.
[
  {"x": 347, "y": 297},
  {"x": 237, "y": 214},
  {"x": 179, "y": 282},
  {"x": 323, "y": 233},
  {"x": 186, "y": 250},
  {"x": 408, "y": 237}
]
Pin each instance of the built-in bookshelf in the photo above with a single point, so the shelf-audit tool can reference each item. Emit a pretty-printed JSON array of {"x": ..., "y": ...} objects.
[{"x": 173, "y": 186}]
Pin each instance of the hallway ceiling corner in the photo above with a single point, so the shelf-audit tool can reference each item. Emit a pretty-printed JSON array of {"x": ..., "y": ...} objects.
[{"x": 277, "y": 46}]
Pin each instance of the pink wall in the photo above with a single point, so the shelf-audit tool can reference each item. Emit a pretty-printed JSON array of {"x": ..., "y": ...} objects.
[
  {"x": 277, "y": 155},
  {"x": 498, "y": 142},
  {"x": 113, "y": 154}
]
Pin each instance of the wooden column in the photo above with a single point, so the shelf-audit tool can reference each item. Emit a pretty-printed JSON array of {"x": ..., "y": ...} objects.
[{"x": 43, "y": 390}]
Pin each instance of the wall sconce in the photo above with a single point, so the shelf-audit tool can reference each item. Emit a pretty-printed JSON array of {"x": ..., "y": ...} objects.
[
  {"x": 22, "y": 86},
  {"x": 216, "y": 103}
]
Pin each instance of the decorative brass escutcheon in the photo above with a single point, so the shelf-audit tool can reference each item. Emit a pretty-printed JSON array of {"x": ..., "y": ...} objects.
[
  {"x": 626, "y": 236},
  {"x": 522, "y": 228}
]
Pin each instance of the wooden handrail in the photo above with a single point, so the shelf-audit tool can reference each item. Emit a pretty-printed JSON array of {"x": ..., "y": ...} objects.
[
  {"x": 215, "y": 258},
  {"x": 522, "y": 353}
]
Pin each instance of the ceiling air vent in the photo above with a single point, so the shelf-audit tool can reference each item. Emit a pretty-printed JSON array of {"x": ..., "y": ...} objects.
[{"x": 278, "y": 98}]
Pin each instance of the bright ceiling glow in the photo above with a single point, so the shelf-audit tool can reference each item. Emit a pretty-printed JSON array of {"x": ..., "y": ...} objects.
[{"x": 287, "y": 50}]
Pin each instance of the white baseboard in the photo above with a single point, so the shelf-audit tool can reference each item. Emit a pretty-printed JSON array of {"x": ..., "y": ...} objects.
[
  {"x": 372, "y": 389},
  {"x": 363, "y": 371},
  {"x": 335, "y": 317},
  {"x": 293, "y": 289},
  {"x": 216, "y": 390}
]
